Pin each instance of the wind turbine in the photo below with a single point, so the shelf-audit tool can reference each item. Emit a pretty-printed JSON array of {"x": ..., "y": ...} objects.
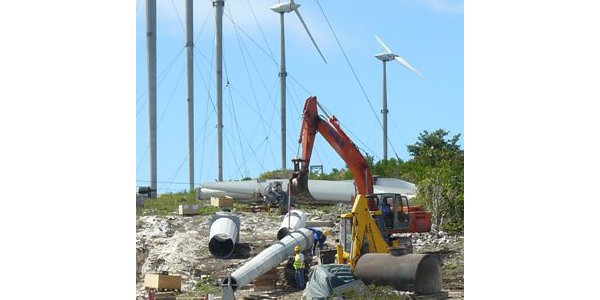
[
  {"x": 283, "y": 8},
  {"x": 385, "y": 57}
]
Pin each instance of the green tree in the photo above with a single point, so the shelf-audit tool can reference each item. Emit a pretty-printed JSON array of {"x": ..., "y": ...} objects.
[
  {"x": 438, "y": 169},
  {"x": 433, "y": 149}
]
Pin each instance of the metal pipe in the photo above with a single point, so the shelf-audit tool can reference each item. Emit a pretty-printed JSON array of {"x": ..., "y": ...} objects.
[
  {"x": 151, "y": 46},
  {"x": 384, "y": 111},
  {"x": 224, "y": 234},
  {"x": 282, "y": 77},
  {"x": 293, "y": 220},
  {"x": 419, "y": 273},
  {"x": 218, "y": 4},
  {"x": 189, "y": 30},
  {"x": 269, "y": 259}
]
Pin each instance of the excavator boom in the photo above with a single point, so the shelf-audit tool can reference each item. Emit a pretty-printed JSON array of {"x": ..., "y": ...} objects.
[{"x": 339, "y": 141}]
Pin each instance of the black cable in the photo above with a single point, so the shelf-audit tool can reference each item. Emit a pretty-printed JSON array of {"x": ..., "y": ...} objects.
[
  {"x": 178, "y": 17},
  {"x": 350, "y": 65}
]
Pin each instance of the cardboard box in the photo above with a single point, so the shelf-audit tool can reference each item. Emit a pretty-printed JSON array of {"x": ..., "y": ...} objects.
[
  {"x": 162, "y": 282},
  {"x": 186, "y": 209},
  {"x": 225, "y": 201}
]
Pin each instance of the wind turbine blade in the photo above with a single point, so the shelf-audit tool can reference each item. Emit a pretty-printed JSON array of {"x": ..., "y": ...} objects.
[
  {"x": 310, "y": 35},
  {"x": 383, "y": 44},
  {"x": 406, "y": 64}
]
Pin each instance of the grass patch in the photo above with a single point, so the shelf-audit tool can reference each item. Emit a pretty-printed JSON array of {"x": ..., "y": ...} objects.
[
  {"x": 203, "y": 287},
  {"x": 374, "y": 292},
  {"x": 166, "y": 204}
]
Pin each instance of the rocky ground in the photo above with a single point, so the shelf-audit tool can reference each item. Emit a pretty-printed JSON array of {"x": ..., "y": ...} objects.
[{"x": 179, "y": 244}]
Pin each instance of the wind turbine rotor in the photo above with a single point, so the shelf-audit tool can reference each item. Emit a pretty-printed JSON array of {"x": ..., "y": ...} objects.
[
  {"x": 284, "y": 7},
  {"x": 308, "y": 31},
  {"x": 391, "y": 56},
  {"x": 383, "y": 44},
  {"x": 385, "y": 56},
  {"x": 403, "y": 62}
]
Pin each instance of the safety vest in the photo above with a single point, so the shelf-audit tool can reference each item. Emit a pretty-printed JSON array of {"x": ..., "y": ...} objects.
[{"x": 299, "y": 261}]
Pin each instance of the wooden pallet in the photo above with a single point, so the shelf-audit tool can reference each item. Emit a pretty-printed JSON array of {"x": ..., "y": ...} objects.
[
  {"x": 224, "y": 201},
  {"x": 152, "y": 295},
  {"x": 162, "y": 282},
  {"x": 188, "y": 210}
]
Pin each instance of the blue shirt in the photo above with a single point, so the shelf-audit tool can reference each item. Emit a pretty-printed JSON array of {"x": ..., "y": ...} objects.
[
  {"x": 385, "y": 210},
  {"x": 318, "y": 238}
]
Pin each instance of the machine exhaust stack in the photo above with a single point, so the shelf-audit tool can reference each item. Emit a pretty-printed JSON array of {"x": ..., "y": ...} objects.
[
  {"x": 224, "y": 234},
  {"x": 267, "y": 260},
  {"x": 296, "y": 220}
]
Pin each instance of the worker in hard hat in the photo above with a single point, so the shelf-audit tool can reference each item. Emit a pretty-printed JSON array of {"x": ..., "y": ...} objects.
[
  {"x": 299, "y": 267},
  {"x": 319, "y": 237}
]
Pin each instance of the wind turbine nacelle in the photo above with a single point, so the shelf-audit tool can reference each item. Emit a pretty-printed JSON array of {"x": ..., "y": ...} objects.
[
  {"x": 386, "y": 56},
  {"x": 285, "y": 7}
]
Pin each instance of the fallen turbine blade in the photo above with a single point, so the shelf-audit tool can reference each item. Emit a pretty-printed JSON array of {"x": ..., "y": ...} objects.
[
  {"x": 310, "y": 35},
  {"x": 383, "y": 44},
  {"x": 406, "y": 64}
]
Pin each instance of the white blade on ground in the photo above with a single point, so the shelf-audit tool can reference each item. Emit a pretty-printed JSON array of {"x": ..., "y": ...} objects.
[
  {"x": 383, "y": 45},
  {"x": 406, "y": 64},
  {"x": 310, "y": 35}
]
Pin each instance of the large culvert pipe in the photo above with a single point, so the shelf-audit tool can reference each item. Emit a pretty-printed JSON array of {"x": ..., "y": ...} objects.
[
  {"x": 269, "y": 258},
  {"x": 419, "y": 273},
  {"x": 295, "y": 219},
  {"x": 224, "y": 234}
]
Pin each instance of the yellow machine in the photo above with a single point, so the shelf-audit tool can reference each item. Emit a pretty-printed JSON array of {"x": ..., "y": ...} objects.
[{"x": 359, "y": 234}]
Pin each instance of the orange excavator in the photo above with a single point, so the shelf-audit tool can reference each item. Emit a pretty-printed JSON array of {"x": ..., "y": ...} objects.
[
  {"x": 391, "y": 212},
  {"x": 367, "y": 242}
]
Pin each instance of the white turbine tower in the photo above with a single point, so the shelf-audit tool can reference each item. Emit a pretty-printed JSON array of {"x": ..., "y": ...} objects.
[
  {"x": 385, "y": 57},
  {"x": 281, "y": 9}
]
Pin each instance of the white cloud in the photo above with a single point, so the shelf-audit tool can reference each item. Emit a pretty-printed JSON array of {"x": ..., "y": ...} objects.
[{"x": 446, "y": 6}]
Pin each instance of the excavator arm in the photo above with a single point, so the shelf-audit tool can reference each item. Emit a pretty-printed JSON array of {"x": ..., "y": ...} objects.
[{"x": 339, "y": 141}]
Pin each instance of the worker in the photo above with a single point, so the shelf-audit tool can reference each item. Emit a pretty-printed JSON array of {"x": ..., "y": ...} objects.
[
  {"x": 319, "y": 237},
  {"x": 386, "y": 211},
  {"x": 299, "y": 267}
]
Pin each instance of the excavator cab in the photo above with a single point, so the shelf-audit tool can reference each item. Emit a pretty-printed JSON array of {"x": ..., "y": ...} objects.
[{"x": 391, "y": 213}]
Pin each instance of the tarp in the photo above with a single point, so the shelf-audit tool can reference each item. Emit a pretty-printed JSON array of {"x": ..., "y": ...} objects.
[{"x": 327, "y": 280}]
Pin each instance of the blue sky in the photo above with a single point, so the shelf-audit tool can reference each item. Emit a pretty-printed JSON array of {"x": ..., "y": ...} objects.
[{"x": 428, "y": 34}]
